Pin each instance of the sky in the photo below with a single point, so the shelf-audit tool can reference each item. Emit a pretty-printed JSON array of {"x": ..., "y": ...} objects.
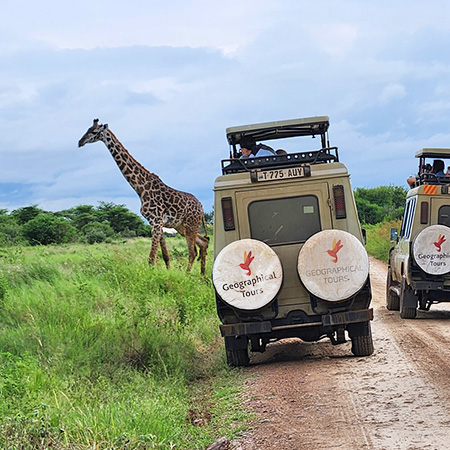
[{"x": 170, "y": 77}]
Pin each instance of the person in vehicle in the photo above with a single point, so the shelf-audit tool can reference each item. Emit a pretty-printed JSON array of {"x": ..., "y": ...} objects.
[
  {"x": 250, "y": 149},
  {"x": 412, "y": 180},
  {"x": 438, "y": 168}
]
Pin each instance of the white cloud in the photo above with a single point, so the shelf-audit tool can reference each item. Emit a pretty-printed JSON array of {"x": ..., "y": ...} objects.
[
  {"x": 334, "y": 39},
  {"x": 392, "y": 92},
  {"x": 169, "y": 78}
]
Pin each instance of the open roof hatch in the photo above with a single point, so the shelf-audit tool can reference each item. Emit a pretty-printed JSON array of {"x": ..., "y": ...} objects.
[{"x": 311, "y": 126}]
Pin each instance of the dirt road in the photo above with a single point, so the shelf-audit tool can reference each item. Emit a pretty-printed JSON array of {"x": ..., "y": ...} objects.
[{"x": 318, "y": 396}]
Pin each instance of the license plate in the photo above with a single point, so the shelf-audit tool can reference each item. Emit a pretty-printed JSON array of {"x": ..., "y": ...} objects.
[{"x": 280, "y": 174}]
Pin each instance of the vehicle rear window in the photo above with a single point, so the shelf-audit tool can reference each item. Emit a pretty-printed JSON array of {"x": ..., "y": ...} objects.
[
  {"x": 284, "y": 220},
  {"x": 444, "y": 215}
]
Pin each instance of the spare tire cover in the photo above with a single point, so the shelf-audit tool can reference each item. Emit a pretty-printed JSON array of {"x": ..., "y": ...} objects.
[
  {"x": 431, "y": 249},
  {"x": 333, "y": 265},
  {"x": 247, "y": 274}
]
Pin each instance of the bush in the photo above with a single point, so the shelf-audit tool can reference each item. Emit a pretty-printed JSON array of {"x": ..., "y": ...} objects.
[
  {"x": 46, "y": 228},
  {"x": 378, "y": 243},
  {"x": 10, "y": 231},
  {"x": 97, "y": 232}
]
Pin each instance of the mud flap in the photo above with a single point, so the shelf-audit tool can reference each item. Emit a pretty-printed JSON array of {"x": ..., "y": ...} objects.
[
  {"x": 236, "y": 342},
  {"x": 358, "y": 329},
  {"x": 409, "y": 298}
]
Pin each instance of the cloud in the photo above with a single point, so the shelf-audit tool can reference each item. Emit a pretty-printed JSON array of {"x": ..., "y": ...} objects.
[
  {"x": 392, "y": 92},
  {"x": 170, "y": 78}
]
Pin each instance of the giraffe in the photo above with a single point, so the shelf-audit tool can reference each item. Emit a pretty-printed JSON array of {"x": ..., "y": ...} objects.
[{"x": 161, "y": 205}]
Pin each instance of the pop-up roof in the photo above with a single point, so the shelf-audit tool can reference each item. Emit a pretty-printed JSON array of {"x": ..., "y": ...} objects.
[
  {"x": 311, "y": 126},
  {"x": 433, "y": 153}
]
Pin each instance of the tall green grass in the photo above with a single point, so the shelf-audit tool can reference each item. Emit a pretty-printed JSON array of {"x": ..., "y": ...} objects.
[
  {"x": 99, "y": 350},
  {"x": 378, "y": 243}
]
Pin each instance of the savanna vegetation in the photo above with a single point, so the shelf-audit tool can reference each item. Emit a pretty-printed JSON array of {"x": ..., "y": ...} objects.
[
  {"x": 378, "y": 244},
  {"x": 85, "y": 223},
  {"x": 381, "y": 204},
  {"x": 380, "y": 209},
  {"x": 99, "y": 350}
]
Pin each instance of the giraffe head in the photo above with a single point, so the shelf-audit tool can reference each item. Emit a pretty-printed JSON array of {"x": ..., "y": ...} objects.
[{"x": 93, "y": 134}]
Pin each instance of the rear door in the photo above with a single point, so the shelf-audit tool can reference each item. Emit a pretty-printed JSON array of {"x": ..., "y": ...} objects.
[
  {"x": 440, "y": 211},
  {"x": 284, "y": 218}
]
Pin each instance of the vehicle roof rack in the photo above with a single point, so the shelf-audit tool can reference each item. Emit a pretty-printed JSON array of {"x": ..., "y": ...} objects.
[{"x": 324, "y": 155}]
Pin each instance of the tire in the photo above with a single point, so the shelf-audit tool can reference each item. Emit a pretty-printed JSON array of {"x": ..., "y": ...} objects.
[
  {"x": 407, "y": 312},
  {"x": 238, "y": 358},
  {"x": 363, "y": 345},
  {"x": 392, "y": 300}
]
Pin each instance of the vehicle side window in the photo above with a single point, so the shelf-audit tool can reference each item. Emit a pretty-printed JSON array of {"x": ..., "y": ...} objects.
[
  {"x": 284, "y": 220},
  {"x": 444, "y": 215},
  {"x": 408, "y": 217}
]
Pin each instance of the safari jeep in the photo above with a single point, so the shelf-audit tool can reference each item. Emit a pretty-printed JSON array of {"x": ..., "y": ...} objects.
[
  {"x": 419, "y": 263},
  {"x": 289, "y": 259}
]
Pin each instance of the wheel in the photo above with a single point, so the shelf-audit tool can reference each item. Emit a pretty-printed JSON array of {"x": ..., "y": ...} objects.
[
  {"x": 238, "y": 358},
  {"x": 236, "y": 349},
  {"x": 363, "y": 345},
  {"x": 392, "y": 300},
  {"x": 407, "y": 298}
]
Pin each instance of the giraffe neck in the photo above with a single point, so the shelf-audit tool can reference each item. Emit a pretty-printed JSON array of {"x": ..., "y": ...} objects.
[{"x": 134, "y": 172}]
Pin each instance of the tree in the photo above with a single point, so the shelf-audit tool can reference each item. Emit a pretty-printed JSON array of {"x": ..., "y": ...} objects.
[
  {"x": 25, "y": 214},
  {"x": 10, "y": 231},
  {"x": 47, "y": 228},
  {"x": 209, "y": 217},
  {"x": 380, "y": 204},
  {"x": 122, "y": 220},
  {"x": 81, "y": 215}
]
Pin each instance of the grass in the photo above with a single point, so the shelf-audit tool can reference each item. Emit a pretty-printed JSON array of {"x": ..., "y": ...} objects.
[
  {"x": 378, "y": 244},
  {"x": 99, "y": 350}
]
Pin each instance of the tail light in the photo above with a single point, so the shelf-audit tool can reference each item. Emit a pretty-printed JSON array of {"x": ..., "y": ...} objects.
[
  {"x": 424, "y": 213},
  {"x": 339, "y": 201},
  {"x": 228, "y": 215}
]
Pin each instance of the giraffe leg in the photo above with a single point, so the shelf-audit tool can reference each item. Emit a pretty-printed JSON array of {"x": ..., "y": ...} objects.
[
  {"x": 164, "y": 251},
  {"x": 190, "y": 239},
  {"x": 202, "y": 242},
  {"x": 156, "y": 238}
]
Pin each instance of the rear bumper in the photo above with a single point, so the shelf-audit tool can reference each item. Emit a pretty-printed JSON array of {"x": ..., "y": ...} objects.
[
  {"x": 323, "y": 321},
  {"x": 427, "y": 285}
]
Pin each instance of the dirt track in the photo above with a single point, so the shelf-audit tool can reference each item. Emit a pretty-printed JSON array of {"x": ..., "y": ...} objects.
[{"x": 317, "y": 396}]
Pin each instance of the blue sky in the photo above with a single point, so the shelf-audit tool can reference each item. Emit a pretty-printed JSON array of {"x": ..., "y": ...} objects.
[{"x": 169, "y": 77}]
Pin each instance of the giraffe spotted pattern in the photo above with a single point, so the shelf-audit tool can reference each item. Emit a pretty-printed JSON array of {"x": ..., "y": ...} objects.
[{"x": 161, "y": 205}]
